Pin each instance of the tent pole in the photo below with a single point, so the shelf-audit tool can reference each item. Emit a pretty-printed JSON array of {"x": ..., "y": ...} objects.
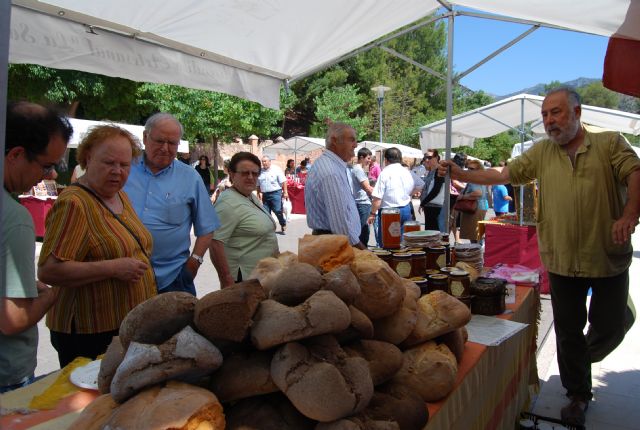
[
  {"x": 521, "y": 152},
  {"x": 447, "y": 181},
  {"x": 5, "y": 20}
]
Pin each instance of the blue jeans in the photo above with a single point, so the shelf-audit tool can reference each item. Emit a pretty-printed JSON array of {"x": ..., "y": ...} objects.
[
  {"x": 272, "y": 201},
  {"x": 405, "y": 215},
  {"x": 364, "y": 210},
  {"x": 26, "y": 381},
  {"x": 184, "y": 283}
]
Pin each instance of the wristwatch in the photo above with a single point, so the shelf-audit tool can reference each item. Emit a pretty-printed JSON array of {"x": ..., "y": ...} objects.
[{"x": 198, "y": 258}]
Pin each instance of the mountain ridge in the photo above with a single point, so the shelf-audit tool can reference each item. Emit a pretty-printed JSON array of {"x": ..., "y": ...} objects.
[{"x": 539, "y": 88}]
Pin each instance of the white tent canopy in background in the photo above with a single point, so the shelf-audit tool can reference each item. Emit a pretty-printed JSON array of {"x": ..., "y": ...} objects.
[
  {"x": 294, "y": 146},
  {"x": 407, "y": 151},
  {"x": 81, "y": 126},
  {"x": 510, "y": 113},
  {"x": 247, "y": 47}
]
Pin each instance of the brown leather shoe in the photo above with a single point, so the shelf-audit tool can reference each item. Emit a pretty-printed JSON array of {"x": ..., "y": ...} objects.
[{"x": 573, "y": 413}]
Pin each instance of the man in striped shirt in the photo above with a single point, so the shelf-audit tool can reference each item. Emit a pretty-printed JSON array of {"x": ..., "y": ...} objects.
[{"x": 328, "y": 199}]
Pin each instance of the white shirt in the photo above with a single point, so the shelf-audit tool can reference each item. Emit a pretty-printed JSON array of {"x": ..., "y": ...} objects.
[
  {"x": 271, "y": 179},
  {"x": 395, "y": 186}
]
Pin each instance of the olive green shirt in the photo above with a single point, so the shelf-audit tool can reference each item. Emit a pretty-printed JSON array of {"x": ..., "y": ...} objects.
[
  {"x": 247, "y": 231},
  {"x": 577, "y": 206}
]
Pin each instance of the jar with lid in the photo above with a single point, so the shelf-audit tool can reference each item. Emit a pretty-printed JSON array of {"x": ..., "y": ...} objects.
[
  {"x": 439, "y": 282},
  {"x": 412, "y": 226},
  {"x": 383, "y": 255},
  {"x": 448, "y": 269},
  {"x": 460, "y": 283},
  {"x": 436, "y": 257},
  {"x": 430, "y": 272},
  {"x": 489, "y": 296},
  {"x": 418, "y": 263},
  {"x": 422, "y": 283},
  {"x": 401, "y": 263},
  {"x": 391, "y": 228}
]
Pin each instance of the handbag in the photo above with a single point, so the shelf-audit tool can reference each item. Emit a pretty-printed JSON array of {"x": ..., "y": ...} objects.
[{"x": 466, "y": 206}]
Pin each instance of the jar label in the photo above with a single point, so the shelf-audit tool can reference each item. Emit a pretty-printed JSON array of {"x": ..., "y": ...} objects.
[
  {"x": 457, "y": 289},
  {"x": 442, "y": 260},
  {"x": 394, "y": 229},
  {"x": 403, "y": 269}
]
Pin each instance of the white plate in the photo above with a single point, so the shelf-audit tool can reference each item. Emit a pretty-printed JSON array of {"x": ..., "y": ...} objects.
[
  {"x": 422, "y": 233},
  {"x": 86, "y": 376}
]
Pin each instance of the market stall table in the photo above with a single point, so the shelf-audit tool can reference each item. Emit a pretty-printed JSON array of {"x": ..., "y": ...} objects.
[
  {"x": 295, "y": 189},
  {"x": 38, "y": 207},
  {"x": 491, "y": 389}
]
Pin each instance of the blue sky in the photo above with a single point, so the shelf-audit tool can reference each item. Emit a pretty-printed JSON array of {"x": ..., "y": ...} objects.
[{"x": 541, "y": 57}]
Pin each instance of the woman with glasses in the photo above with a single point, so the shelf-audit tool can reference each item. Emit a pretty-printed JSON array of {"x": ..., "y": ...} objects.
[
  {"x": 96, "y": 250},
  {"x": 469, "y": 221},
  {"x": 204, "y": 170},
  {"x": 248, "y": 232}
]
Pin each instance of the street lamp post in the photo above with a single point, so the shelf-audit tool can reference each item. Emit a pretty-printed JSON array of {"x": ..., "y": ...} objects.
[{"x": 380, "y": 90}]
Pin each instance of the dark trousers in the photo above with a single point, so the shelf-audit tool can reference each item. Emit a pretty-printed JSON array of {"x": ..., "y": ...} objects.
[
  {"x": 364, "y": 210},
  {"x": 182, "y": 283},
  {"x": 72, "y": 345},
  {"x": 606, "y": 316},
  {"x": 431, "y": 215},
  {"x": 272, "y": 201}
]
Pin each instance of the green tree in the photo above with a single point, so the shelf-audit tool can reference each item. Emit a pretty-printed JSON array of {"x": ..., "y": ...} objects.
[
  {"x": 339, "y": 105},
  {"x": 595, "y": 94}
]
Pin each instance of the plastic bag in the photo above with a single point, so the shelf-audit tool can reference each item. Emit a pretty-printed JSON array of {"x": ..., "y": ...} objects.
[{"x": 286, "y": 209}]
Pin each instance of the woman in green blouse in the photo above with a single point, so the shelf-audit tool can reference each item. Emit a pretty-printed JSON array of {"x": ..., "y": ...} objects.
[{"x": 248, "y": 232}]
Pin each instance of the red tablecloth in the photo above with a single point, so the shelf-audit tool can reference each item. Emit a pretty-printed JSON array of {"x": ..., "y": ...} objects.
[
  {"x": 513, "y": 244},
  {"x": 296, "y": 195},
  {"x": 38, "y": 208}
]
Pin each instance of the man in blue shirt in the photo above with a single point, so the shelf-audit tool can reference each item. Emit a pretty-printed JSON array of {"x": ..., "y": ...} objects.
[
  {"x": 272, "y": 188},
  {"x": 170, "y": 198},
  {"x": 501, "y": 199}
]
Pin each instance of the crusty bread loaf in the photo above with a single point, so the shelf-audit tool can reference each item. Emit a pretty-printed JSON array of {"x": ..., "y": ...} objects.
[
  {"x": 325, "y": 251},
  {"x": 96, "y": 414},
  {"x": 400, "y": 404},
  {"x": 382, "y": 291},
  {"x": 397, "y": 327},
  {"x": 384, "y": 358},
  {"x": 226, "y": 314},
  {"x": 321, "y": 380},
  {"x": 343, "y": 283},
  {"x": 455, "y": 341},
  {"x": 438, "y": 313},
  {"x": 265, "y": 271},
  {"x": 361, "y": 327},
  {"x": 157, "y": 319},
  {"x": 243, "y": 375},
  {"x": 429, "y": 369},
  {"x": 109, "y": 364},
  {"x": 268, "y": 412},
  {"x": 275, "y": 323},
  {"x": 187, "y": 356},
  {"x": 295, "y": 284},
  {"x": 358, "y": 422}
]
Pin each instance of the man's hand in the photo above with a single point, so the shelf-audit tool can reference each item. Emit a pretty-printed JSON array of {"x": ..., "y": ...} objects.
[
  {"x": 128, "y": 269},
  {"x": 623, "y": 229},
  {"x": 192, "y": 266},
  {"x": 448, "y": 167}
]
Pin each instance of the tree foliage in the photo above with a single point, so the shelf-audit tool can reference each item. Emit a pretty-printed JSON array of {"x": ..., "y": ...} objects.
[{"x": 339, "y": 105}]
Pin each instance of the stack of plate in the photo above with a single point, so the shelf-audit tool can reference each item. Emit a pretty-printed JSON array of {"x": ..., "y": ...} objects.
[
  {"x": 470, "y": 253},
  {"x": 422, "y": 238}
]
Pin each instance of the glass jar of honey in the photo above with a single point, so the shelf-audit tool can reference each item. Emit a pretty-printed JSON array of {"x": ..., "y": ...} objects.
[
  {"x": 401, "y": 263},
  {"x": 418, "y": 263},
  {"x": 390, "y": 226},
  {"x": 436, "y": 257},
  {"x": 412, "y": 226},
  {"x": 383, "y": 255},
  {"x": 459, "y": 283},
  {"x": 439, "y": 282}
]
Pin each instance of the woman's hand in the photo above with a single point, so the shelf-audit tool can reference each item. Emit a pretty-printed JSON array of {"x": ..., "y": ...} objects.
[{"x": 128, "y": 269}]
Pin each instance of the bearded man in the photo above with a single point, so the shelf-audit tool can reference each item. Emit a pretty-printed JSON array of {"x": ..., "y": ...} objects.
[{"x": 588, "y": 207}]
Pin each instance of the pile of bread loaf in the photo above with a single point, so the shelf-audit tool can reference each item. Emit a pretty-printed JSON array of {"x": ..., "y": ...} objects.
[{"x": 331, "y": 338}]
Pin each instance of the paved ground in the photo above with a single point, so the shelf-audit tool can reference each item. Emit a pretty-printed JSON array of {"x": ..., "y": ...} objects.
[{"x": 616, "y": 379}]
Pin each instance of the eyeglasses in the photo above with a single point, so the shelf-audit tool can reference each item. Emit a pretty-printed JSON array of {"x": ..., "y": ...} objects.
[
  {"x": 47, "y": 170},
  {"x": 247, "y": 173},
  {"x": 163, "y": 141}
]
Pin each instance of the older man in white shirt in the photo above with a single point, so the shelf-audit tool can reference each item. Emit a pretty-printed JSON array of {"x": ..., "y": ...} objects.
[{"x": 394, "y": 189}]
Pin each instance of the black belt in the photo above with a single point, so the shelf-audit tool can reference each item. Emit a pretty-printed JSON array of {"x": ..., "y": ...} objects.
[{"x": 318, "y": 232}]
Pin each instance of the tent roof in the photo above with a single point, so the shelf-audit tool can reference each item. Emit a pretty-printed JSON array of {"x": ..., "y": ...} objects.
[
  {"x": 407, "y": 151},
  {"x": 248, "y": 47},
  {"x": 81, "y": 126},
  {"x": 295, "y": 145},
  {"x": 508, "y": 113}
]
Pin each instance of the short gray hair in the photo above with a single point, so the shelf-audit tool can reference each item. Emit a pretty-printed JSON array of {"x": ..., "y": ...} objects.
[
  {"x": 336, "y": 129},
  {"x": 158, "y": 117},
  {"x": 572, "y": 95}
]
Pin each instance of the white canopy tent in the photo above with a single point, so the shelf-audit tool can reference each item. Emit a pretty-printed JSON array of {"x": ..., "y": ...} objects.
[
  {"x": 295, "y": 145},
  {"x": 407, "y": 151},
  {"x": 81, "y": 126},
  {"x": 511, "y": 113}
]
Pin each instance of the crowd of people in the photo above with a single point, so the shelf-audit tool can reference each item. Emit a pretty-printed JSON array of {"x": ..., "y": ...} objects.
[{"x": 121, "y": 232}]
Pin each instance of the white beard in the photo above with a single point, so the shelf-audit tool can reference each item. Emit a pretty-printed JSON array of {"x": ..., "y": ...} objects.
[{"x": 567, "y": 134}]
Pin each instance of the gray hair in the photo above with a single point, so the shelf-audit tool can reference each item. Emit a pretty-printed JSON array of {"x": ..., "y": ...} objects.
[
  {"x": 158, "y": 117},
  {"x": 572, "y": 95},
  {"x": 336, "y": 129}
]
